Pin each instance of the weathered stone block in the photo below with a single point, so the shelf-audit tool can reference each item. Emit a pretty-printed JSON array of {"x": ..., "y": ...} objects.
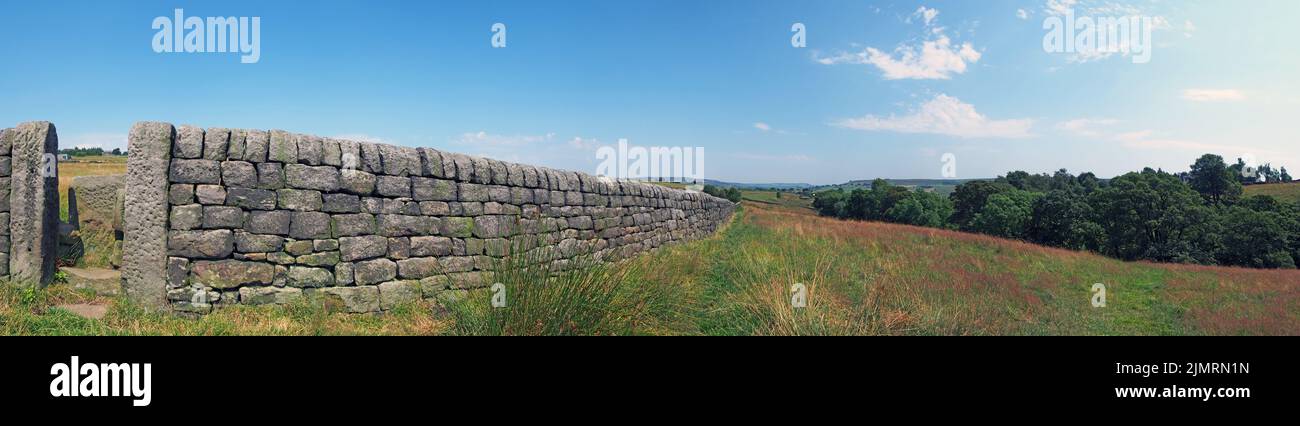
[
  {"x": 189, "y": 143},
  {"x": 180, "y": 193},
  {"x": 216, "y": 144},
  {"x": 257, "y": 243},
  {"x": 418, "y": 267},
  {"x": 227, "y": 274},
  {"x": 343, "y": 273},
  {"x": 357, "y": 182},
  {"x": 270, "y": 176},
  {"x": 298, "y": 248},
  {"x": 393, "y": 186},
  {"x": 399, "y": 248},
  {"x": 251, "y": 199},
  {"x": 229, "y": 217},
  {"x": 256, "y": 146},
  {"x": 459, "y": 227},
  {"x": 300, "y": 200},
  {"x": 269, "y": 295},
  {"x": 490, "y": 226},
  {"x": 99, "y": 201},
  {"x": 195, "y": 171},
  {"x": 395, "y": 293},
  {"x": 346, "y": 225},
  {"x": 373, "y": 271},
  {"x": 209, "y": 244},
  {"x": 310, "y": 149},
  {"x": 320, "y": 178},
  {"x": 310, "y": 225},
  {"x": 430, "y": 246},
  {"x": 400, "y": 160},
  {"x": 308, "y": 277},
  {"x": 371, "y": 162},
  {"x": 210, "y": 194},
  {"x": 275, "y": 222},
  {"x": 394, "y": 225},
  {"x": 341, "y": 203},
  {"x": 240, "y": 174},
  {"x": 362, "y": 247},
  {"x": 187, "y": 217},
  {"x": 329, "y": 258},
  {"x": 283, "y": 147}
]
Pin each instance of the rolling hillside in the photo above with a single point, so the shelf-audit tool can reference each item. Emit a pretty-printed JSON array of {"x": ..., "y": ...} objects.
[{"x": 1289, "y": 192}]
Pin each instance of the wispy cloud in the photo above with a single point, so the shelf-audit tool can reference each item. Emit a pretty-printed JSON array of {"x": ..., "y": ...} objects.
[
  {"x": 768, "y": 157},
  {"x": 1091, "y": 127},
  {"x": 944, "y": 115},
  {"x": 763, "y": 126},
  {"x": 1022, "y": 14},
  {"x": 361, "y": 137},
  {"x": 936, "y": 58},
  {"x": 1213, "y": 95},
  {"x": 485, "y": 139}
]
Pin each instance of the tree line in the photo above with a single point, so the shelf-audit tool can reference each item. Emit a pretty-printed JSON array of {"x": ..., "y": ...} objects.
[{"x": 1198, "y": 217}]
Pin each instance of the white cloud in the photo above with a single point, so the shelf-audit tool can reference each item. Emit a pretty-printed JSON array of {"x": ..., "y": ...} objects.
[
  {"x": 1087, "y": 126},
  {"x": 766, "y": 157},
  {"x": 1213, "y": 95},
  {"x": 926, "y": 14},
  {"x": 1022, "y": 14},
  {"x": 584, "y": 144},
  {"x": 935, "y": 59},
  {"x": 361, "y": 137},
  {"x": 1059, "y": 7},
  {"x": 1149, "y": 139},
  {"x": 482, "y": 138},
  {"x": 763, "y": 126},
  {"x": 944, "y": 115},
  {"x": 1188, "y": 29}
]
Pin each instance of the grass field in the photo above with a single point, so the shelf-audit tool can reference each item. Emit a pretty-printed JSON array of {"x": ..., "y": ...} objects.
[
  {"x": 86, "y": 166},
  {"x": 1289, "y": 192},
  {"x": 861, "y": 279}
]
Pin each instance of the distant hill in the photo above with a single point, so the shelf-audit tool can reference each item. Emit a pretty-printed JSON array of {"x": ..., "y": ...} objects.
[
  {"x": 938, "y": 186},
  {"x": 737, "y": 185}
]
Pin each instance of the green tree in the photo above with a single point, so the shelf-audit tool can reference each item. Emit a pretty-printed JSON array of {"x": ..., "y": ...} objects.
[
  {"x": 1255, "y": 239},
  {"x": 1064, "y": 219},
  {"x": 1006, "y": 214},
  {"x": 1211, "y": 178},
  {"x": 921, "y": 209},
  {"x": 1155, "y": 216},
  {"x": 969, "y": 198}
]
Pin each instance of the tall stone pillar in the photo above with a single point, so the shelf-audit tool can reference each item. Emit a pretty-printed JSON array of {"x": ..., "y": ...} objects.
[
  {"x": 144, "y": 247},
  {"x": 34, "y": 203}
]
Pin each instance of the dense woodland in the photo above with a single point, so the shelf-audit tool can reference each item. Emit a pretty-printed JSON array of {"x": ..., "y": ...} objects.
[{"x": 1199, "y": 216}]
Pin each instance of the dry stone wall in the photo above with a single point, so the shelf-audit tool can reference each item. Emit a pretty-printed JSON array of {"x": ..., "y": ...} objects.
[{"x": 222, "y": 216}]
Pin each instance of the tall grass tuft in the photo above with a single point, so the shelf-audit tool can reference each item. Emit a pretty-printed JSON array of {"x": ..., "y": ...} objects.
[{"x": 580, "y": 296}]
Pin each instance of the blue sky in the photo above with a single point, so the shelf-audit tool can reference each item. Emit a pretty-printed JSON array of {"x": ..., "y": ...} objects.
[{"x": 882, "y": 89}]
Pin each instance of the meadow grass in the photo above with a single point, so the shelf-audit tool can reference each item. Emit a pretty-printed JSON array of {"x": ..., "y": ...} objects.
[
  {"x": 1286, "y": 192},
  {"x": 862, "y": 278}
]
